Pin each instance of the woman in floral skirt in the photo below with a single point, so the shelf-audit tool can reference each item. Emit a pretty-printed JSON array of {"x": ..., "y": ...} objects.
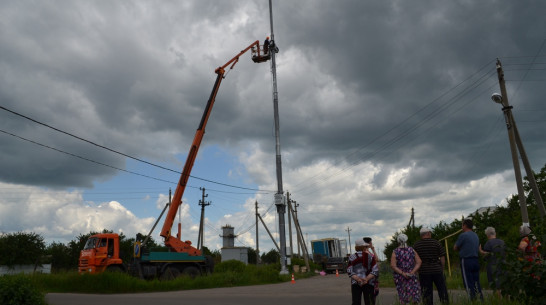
[{"x": 405, "y": 262}]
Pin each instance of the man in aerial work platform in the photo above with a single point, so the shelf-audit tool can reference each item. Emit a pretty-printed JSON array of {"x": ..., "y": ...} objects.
[{"x": 266, "y": 45}]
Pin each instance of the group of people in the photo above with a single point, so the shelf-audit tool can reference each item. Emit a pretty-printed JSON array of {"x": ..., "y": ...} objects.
[{"x": 417, "y": 269}]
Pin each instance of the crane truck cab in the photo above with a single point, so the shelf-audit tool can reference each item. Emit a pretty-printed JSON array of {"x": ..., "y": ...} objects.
[{"x": 101, "y": 253}]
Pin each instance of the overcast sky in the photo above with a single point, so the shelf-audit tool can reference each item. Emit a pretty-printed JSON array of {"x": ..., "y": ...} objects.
[{"x": 384, "y": 106}]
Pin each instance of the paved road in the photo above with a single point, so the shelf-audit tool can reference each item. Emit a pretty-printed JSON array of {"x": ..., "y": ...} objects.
[{"x": 317, "y": 290}]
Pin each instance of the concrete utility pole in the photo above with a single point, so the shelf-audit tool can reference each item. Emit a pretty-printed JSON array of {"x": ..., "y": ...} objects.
[
  {"x": 257, "y": 240},
  {"x": 289, "y": 202},
  {"x": 202, "y": 203},
  {"x": 279, "y": 196},
  {"x": 515, "y": 144},
  {"x": 349, "y": 246}
]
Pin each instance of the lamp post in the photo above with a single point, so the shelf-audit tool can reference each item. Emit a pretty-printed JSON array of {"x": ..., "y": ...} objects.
[
  {"x": 515, "y": 145},
  {"x": 507, "y": 110}
]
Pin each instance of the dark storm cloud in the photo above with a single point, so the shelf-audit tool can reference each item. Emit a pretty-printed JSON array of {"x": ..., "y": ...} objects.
[
  {"x": 355, "y": 79},
  {"x": 406, "y": 56}
]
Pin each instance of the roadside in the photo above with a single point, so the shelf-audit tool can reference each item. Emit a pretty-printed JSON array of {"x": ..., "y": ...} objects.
[{"x": 329, "y": 289}]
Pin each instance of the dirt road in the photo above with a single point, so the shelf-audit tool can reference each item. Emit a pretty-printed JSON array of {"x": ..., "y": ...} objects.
[{"x": 317, "y": 290}]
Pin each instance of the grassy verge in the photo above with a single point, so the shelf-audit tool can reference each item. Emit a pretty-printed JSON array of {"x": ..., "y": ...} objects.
[
  {"x": 227, "y": 276},
  {"x": 105, "y": 283}
]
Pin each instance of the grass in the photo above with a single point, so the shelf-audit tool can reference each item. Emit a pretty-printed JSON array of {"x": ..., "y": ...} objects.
[{"x": 108, "y": 282}]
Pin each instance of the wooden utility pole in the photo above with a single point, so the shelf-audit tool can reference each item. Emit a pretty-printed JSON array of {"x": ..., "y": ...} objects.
[
  {"x": 412, "y": 219},
  {"x": 289, "y": 202},
  {"x": 268, "y": 232},
  {"x": 515, "y": 145},
  {"x": 300, "y": 234}
]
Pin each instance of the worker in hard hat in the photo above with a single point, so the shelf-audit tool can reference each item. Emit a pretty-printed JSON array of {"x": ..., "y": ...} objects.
[{"x": 266, "y": 45}]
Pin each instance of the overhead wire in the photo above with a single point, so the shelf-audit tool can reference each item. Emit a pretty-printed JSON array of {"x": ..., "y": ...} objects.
[
  {"x": 121, "y": 153},
  {"x": 97, "y": 162}
]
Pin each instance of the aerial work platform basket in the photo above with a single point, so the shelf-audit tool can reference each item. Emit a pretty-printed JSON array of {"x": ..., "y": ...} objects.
[{"x": 260, "y": 54}]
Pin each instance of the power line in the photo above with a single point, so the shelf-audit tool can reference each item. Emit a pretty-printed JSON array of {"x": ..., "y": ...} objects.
[
  {"x": 84, "y": 158},
  {"x": 108, "y": 165},
  {"x": 114, "y": 151}
]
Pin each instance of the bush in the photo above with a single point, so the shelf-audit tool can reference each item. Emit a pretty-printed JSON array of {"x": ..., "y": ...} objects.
[
  {"x": 230, "y": 266},
  {"x": 521, "y": 279},
  {"x": 19, "y": 290}
]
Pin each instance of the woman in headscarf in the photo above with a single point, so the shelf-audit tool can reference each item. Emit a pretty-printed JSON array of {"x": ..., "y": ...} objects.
[
  {"x": 405, "y": 262},
  {"x": 529, "y": 244}
]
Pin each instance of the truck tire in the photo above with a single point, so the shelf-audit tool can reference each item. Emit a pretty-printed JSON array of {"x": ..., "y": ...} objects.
[
  {"x": 170, "y": 273},
  {"x": 209, "y": 261},
  {"x": 191, "y": 271},
  {"x": 114, "y": 268}
]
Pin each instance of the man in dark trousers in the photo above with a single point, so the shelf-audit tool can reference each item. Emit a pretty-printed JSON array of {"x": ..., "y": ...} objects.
[
  {"x": 431, "y": 272},
  {"x": 266, "y": 45},
  {"x": 468, "y": 245}
]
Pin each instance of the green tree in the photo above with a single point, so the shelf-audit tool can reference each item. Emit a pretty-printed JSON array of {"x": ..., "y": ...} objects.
[
  {"x": 60, "y": 258},
  {"x": 413, "y": 235},
  {"x": 252, "y": 256},
  {"x": 271, "y": 257},
  {"x": 21, "y": 248}
]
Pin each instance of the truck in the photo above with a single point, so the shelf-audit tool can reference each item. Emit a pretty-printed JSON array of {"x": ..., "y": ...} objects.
[
  {"x": 326, "y": 248},
  {"x": 102, "y": 251}
]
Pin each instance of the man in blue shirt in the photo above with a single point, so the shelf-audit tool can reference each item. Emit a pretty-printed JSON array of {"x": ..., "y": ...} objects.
[{"x": 468, "y": 245}]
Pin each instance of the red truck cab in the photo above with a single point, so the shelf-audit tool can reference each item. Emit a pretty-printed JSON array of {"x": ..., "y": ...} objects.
[{"x": 101, "y": 253}]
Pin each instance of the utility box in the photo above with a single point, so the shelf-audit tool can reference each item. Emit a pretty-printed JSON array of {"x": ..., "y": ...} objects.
[{"x": 235, "y": 253}]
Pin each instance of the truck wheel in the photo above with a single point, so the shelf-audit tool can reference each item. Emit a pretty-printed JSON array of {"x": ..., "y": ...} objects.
[
  {"x": 209, "y": 261},
  {"x": 191, "y": 271},
  {"x": 114, "y": 268},
  {"x": 170, "y": 273}
]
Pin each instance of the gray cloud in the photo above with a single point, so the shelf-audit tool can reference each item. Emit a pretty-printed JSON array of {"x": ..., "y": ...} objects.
[{"x": 402, "y": 86}]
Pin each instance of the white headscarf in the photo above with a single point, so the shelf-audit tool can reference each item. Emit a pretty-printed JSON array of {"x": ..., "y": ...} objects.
[{"x": 402, "y": 240}]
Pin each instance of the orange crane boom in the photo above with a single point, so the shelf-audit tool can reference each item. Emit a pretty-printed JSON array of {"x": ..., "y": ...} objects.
[{"x": 176, "y": 244}]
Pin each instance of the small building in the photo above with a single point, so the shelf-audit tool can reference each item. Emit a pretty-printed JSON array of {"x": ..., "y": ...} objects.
[{"x": 229, "y": 251}]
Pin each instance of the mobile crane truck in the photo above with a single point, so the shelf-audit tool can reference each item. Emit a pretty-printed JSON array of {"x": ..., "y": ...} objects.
[{"x": 102, "y": 251}]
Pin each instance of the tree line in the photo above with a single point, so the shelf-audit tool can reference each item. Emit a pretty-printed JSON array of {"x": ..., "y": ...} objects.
[{"x": 29, "y": 248}]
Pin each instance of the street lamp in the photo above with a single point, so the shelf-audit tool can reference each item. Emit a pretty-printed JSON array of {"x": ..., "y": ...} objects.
[{"x": 497, "y": 98}]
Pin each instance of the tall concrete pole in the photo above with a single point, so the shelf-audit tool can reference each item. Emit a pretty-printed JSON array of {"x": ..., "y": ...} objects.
[
  {"x": 279, "y": 196},
  {"x": 203, "y": 204}
]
